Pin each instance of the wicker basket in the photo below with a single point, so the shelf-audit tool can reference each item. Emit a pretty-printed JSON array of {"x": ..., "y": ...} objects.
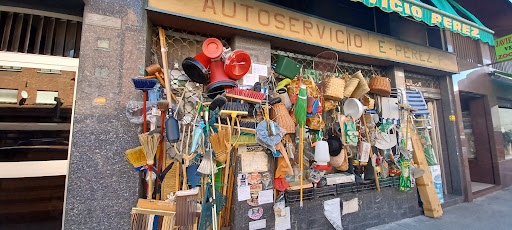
[
  {"x": 350, "y": 86},
  {"x": 368, "y": 102},
  {"x": 315, "y": 122},
  {"x": 311, "y": 88},
  {"x": 284, "y": 120},
  {"x": 329, "y": 105},
  {"x": 362, "y": 86},
  {"x": 334, "y": 88},
  {"x": 380, "y": 85}
]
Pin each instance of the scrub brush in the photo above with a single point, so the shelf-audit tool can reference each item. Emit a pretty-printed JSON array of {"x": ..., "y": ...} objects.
[
  {"x": 235, "y": 108},
  {"x": 246, "y": 95}
]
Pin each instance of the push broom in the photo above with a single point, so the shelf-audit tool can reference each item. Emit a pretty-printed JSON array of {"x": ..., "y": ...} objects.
[
  {"x": 144, "y": 85},
  {"x": 300, "y": 115}
]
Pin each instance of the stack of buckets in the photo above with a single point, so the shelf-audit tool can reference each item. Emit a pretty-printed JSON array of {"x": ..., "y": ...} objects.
[{"x": 225, "y": 67}]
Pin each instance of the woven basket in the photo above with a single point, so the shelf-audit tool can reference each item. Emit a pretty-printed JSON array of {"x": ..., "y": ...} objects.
[
  {"x": 368, "y": 102},
  {"x": 338, "y": 160},
  {"x": 329, "y": 105},
  {"x": 362, "y": 86},
  {"x": 311, "y": 88},
  {"x": 315, "y": 122},
  {"x": 284, "y": 120},
  {"x": 350, "y": 86},
  {"x": 380, "y": 85},
  {"x": 334, "y": 88},
  {"x": 344, "y": 165}
]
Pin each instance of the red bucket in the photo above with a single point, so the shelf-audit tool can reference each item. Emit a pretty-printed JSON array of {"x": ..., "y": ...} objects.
[
  {"x": 237, "y": 64},
  {"x": 219, "y": 80},
  {"x": 213, "y": 48}
]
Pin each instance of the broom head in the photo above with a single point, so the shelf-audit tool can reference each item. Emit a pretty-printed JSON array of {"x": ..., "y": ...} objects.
[{"x": 136, "y": 157}]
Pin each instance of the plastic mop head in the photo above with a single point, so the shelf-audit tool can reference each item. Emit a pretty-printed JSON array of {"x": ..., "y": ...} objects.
[
  {"x": 136, "y": 157},
  {"x": 301, "y": 107}
]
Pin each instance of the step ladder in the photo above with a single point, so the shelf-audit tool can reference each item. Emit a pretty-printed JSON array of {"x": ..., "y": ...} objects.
[{"x": 416, "y": 100}]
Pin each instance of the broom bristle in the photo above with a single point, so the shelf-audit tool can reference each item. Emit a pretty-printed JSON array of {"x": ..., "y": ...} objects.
[
  {"x": 149, "y": 145},
  {"x": 246, "y": 93},
  {"x": 235, "y": 106},
  {"x": 163, "y": 105},
  {"x": 136, "y": 157},
  {"x": 144, "y": 84}
]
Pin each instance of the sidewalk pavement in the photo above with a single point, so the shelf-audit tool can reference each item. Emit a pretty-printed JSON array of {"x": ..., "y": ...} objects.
[{"x": 488, "y": 212}]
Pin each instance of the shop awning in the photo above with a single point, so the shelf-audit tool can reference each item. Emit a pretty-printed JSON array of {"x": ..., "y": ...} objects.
[{"x": 443, "y": 15}]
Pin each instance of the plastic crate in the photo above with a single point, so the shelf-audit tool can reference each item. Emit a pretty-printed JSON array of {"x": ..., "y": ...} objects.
[
  {"x": 287, "y": 67},
  {"x": 345, "y": 188},
  {"x": 293, "y": 196},
  {"x": 365, "y": 185},
  {"x": 386, "y": 182}
]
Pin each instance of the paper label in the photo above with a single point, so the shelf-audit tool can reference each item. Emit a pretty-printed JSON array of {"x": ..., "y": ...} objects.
[
  {"x": 259, "y": 70},
  {"x": 266, "y": 196},
  {"x": 244, "y": 193},
  {"x": 250, "y": 79},
  {"x": 283, "y": 222},
  {"x": 259, "y": 224}
]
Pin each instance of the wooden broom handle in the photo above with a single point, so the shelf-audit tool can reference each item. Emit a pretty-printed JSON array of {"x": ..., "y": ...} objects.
[
  {"x": 371, "y": 155},
  {"x": 150, "y": 184},
  {"x": 163, "y": 47}
]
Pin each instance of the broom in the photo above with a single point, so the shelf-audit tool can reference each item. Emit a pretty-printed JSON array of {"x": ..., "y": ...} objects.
[
  {"x": 163, "y": 106},
  {"x": 206, "y": 166},
  {"x": 246, "y": 95},
  {"x": 300, "y": 115},
  {"x": 149, "y": 145},
  {"x": 144, "y": 85},
  {"x": 136, "y": 157}
]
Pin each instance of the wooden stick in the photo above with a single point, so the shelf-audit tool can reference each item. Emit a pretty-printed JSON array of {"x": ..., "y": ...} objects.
[
  {"x": 301, "y": 163},
  {"x": 371, "y": 155},
  {"x": 160, "y": 79},
  {"x": 163, "y": 48}
]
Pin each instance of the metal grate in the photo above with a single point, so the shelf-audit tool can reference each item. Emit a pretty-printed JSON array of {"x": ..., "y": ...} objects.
[
  {"x": 342, "y": 67},
  {"x": 27, "y": 33},
  {"x": 180, "y": 45}
]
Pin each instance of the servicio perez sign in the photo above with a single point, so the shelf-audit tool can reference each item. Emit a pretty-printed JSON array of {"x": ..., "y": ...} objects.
[
  {"x": 275, "y": 21},
  {"x": 503, "y": 47}
]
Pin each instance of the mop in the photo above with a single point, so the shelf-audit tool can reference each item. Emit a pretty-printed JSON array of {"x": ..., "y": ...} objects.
[{"x": 300, "y": 115}]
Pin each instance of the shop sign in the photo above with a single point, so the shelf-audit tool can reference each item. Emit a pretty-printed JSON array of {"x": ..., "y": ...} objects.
[
  {"x": 432, "y": 16},
  {"x": 268, "y": 19},
  {"x": 503, "y": 47}
]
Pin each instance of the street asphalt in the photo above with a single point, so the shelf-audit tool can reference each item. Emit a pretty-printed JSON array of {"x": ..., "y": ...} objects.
[{"x": 489, "y": 212}]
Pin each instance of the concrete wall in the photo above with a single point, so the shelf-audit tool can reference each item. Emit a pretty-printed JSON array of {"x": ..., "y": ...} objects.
[{"x": 373, "y": 208}]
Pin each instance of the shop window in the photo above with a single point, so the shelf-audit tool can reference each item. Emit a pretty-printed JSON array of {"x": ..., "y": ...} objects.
[
  {"x": 468, "y": 133},
  {"x": 8, "y": 95},
  {"x": 46, "y": 97},
  {"x": 506, "y": 130}
]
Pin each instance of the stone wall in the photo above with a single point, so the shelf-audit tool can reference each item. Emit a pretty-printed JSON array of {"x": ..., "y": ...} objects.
[{"x": 102, "y": 187}]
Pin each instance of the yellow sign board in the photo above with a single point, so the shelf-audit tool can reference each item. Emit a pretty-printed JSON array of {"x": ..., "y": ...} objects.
[{"x": 268, "y": 19}]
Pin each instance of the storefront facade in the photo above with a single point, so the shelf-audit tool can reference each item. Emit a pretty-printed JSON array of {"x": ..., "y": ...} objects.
[{"x": 120, "y": 39}]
